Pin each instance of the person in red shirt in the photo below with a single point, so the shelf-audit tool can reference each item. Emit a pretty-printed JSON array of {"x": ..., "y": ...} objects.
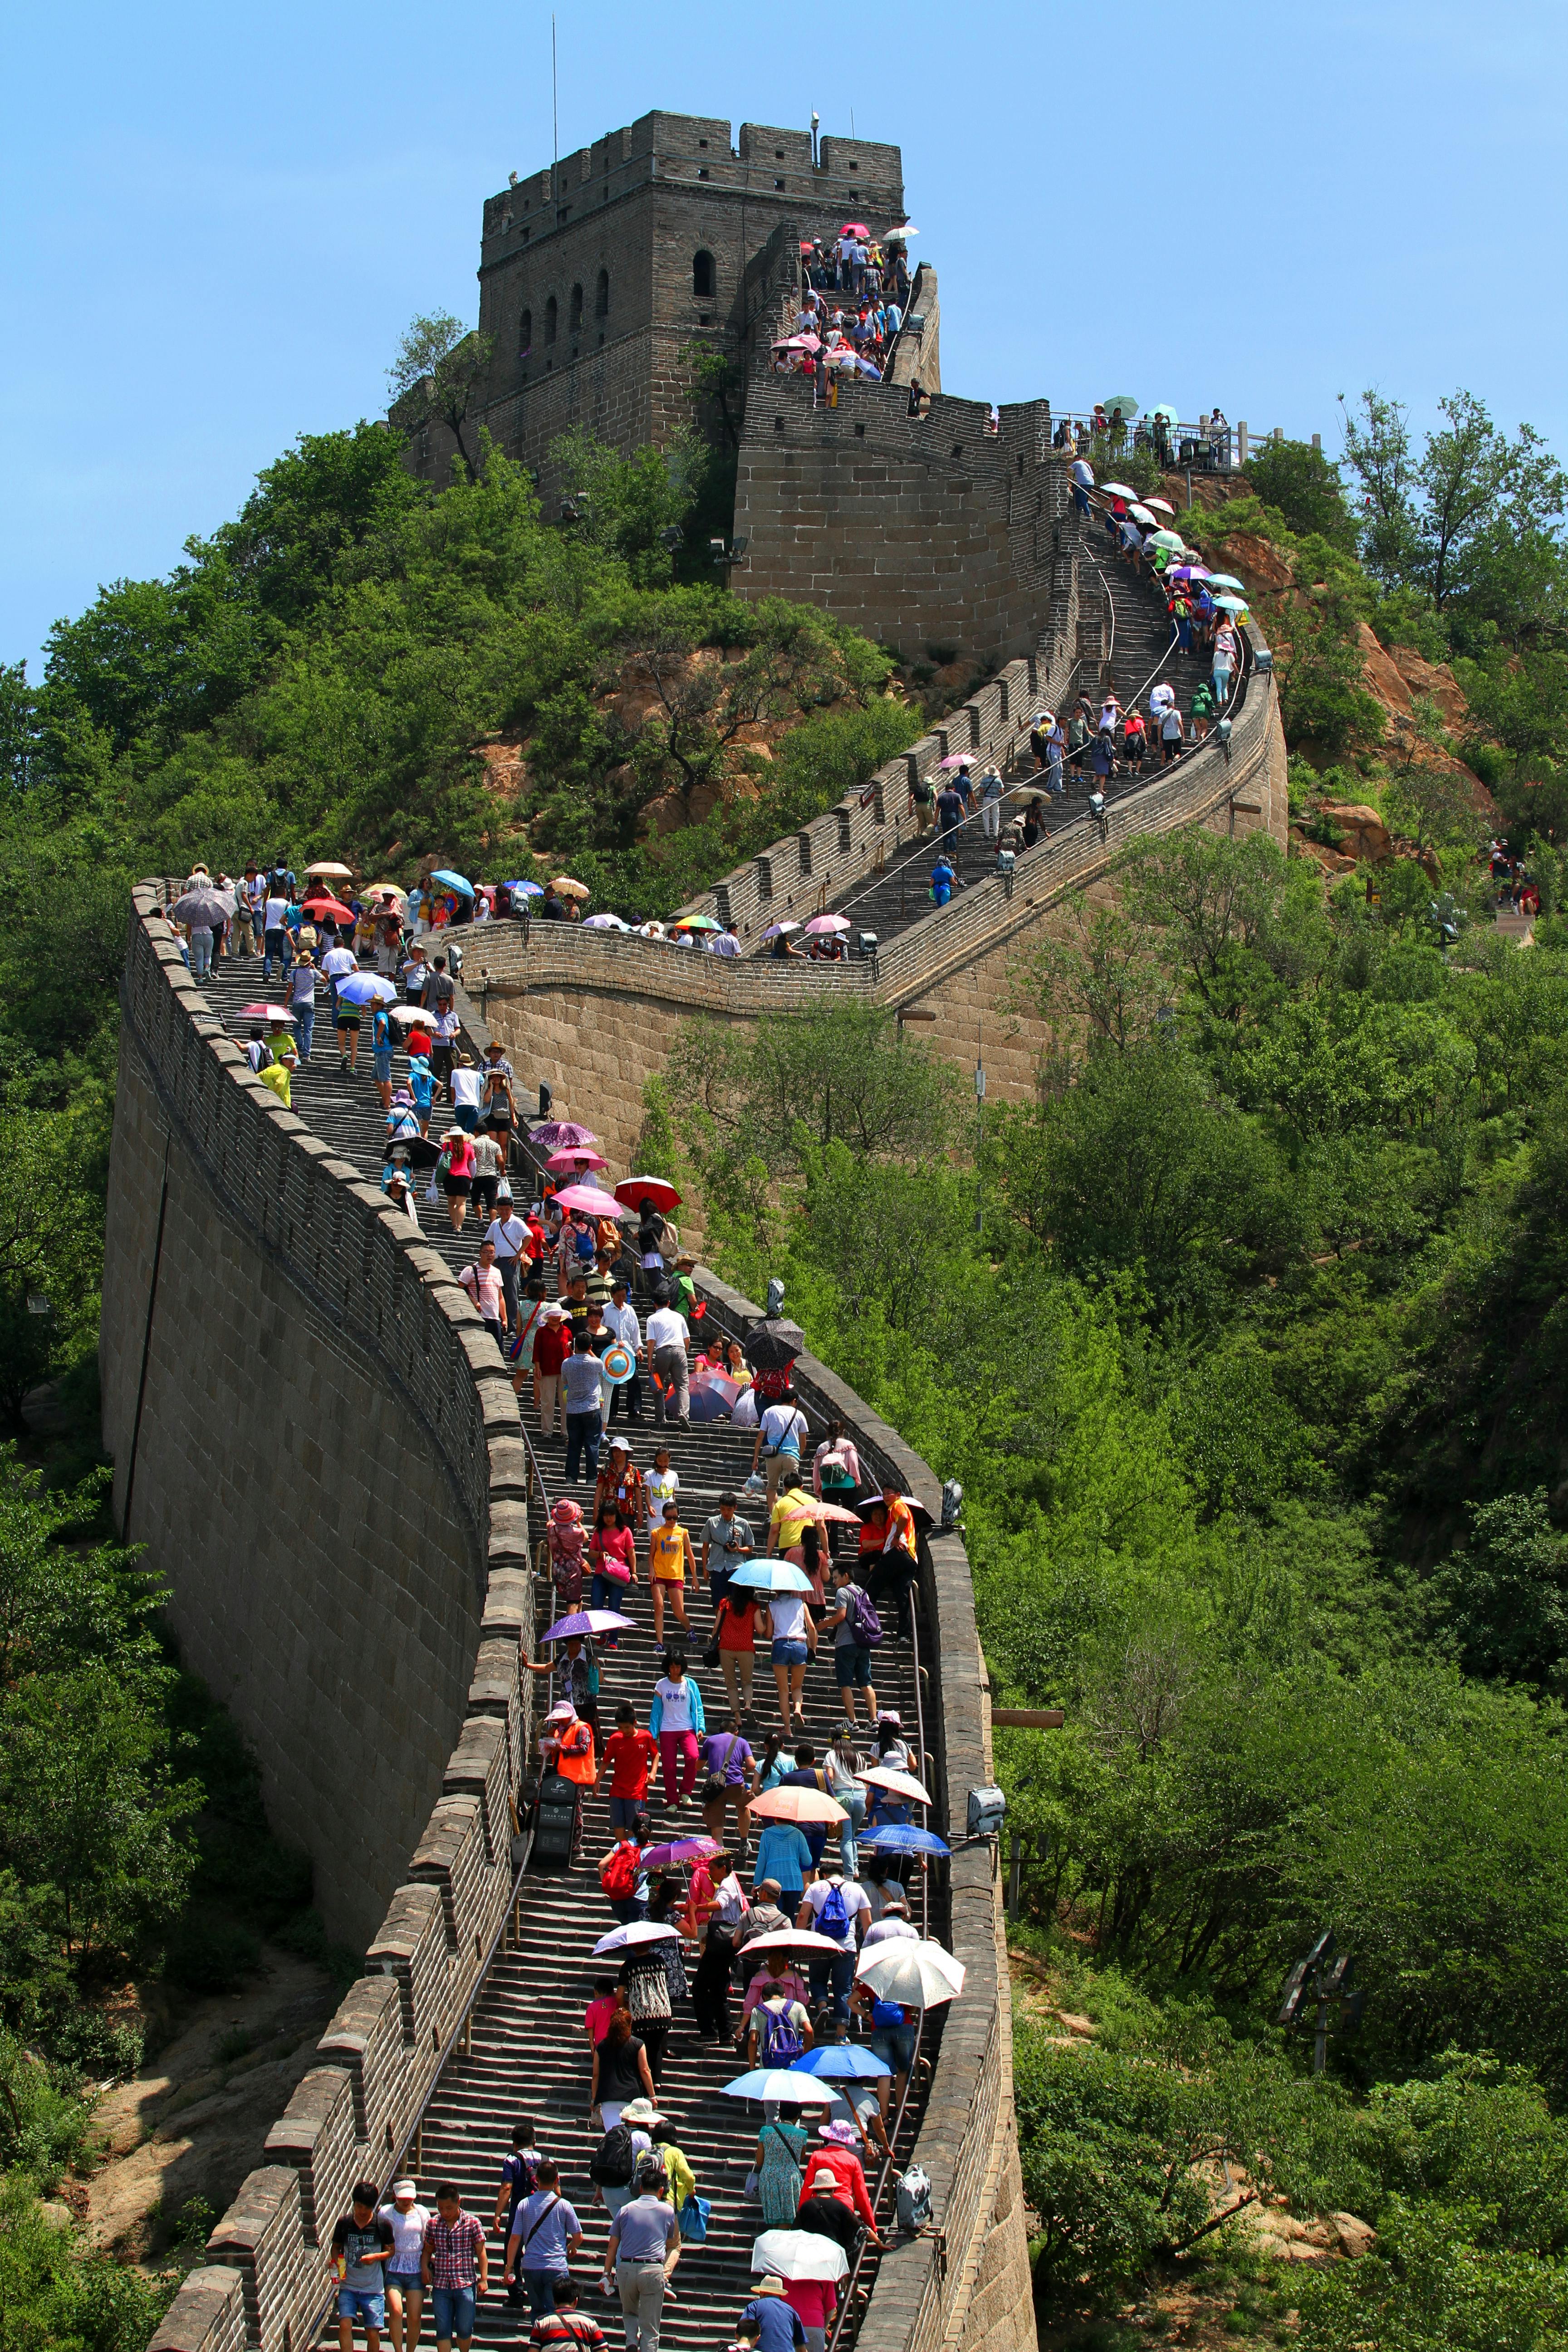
[
  {"x": 835, "y": 2171},
  {"x": 630, "y": 1754},
  {"x": 551, "y": 1347},
  {"x": 601, "y": 2008}
]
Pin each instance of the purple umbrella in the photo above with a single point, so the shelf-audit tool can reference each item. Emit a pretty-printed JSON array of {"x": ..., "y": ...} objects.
[
  {"x": 558, "y": 1134},
  {"x": 780, "y": 930},
  {"x": 588, "y": 1621},
  {"x": 687, "y": 1849}
]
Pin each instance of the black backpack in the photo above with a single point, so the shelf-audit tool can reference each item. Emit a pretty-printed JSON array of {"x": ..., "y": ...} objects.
[{"x": 610, "y": 2166}]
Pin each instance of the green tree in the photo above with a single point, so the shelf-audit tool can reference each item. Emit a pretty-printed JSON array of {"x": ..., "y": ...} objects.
[
  {"x": 435, "y": 374},
  {"x": 1303, "y": 486}
]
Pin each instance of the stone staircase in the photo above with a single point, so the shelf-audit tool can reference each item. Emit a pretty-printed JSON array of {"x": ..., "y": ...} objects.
[
  {"x": 1124, "y": 648},
  {"x": 528, "y": 2053}
]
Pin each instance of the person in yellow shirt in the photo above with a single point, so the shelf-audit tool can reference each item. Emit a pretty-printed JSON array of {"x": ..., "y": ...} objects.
[
  {"x": 670, "y": 1563},
  {"x": 793, "y": 1512}
]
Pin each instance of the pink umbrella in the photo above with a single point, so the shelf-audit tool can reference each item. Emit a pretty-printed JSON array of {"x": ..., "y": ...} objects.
[
  {"x": 576, "y": 1156},
  {"x": 820, "y": 925},
  {"x": 958, "y": 759},
  {"x": 588, "y": 1201},
  {"x": 262, "y": 1012},
  {"x": 799, "y": 343}
]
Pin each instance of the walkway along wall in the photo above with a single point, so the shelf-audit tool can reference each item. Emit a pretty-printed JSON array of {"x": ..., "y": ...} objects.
[
  {"x": 596, "y": 1013},
  {"x": 277, "y": 1352}
]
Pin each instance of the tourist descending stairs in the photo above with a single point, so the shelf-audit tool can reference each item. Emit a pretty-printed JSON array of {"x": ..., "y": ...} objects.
[{"x": 528, "y": 2052}]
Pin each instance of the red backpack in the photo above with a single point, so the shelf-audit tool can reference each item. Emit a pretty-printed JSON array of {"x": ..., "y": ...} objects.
[{"x": 619, "y": 1876}]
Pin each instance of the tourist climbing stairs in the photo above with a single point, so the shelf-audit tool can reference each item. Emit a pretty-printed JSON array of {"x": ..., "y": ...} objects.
[{"x": 527, "y": 2052}]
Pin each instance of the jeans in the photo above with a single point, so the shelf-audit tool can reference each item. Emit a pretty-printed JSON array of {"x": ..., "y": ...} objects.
[
  {"x": 541, "y": 2285},
  {"x": 682, "y": 1745},
  {"x": 454, "y": 2310},
  {"x": 278, "y": 944},
  {"x": 1221, "y": 689},
  {"x": 505, "y": 1267},
  {"x": 304, "y": 1028},
  {"x": 606, "y": 1592},
  {"x": 200, "y": 954},
  {"x": 584, "y": 1431},
  {"x": 849, "y": 1829},
  {"x": 839, "y": 1974},
  {"x": 629, "y": 1393},
  {"x": 642, "y": 2286}
]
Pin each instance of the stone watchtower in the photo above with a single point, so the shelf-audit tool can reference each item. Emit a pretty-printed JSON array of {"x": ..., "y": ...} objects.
[{"x": 597, "y": 274}]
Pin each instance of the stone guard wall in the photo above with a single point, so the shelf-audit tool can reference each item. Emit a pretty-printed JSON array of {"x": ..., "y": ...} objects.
[{"x": 214, "y": 1185}]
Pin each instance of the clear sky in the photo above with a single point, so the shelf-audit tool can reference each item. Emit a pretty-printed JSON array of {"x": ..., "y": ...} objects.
[{"x": 215, "y": 223}]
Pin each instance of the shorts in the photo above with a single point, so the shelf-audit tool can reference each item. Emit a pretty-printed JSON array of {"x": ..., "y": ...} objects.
[
  {"x": 369, "y": 2309},
  {"x": 788, "y": 1654},
  {"x": 852, "y": 1665},
  {"x": 453, "y": 2308},
  {"x": 410, "y": 2282},
  {"x": 625, "y": 1812},
  {"x": 895, "y": 2046},
  {"x": 348, "y": 1018},
  {"x": 458, "y": 1187},
  {"x": 381, "y": 1064}
]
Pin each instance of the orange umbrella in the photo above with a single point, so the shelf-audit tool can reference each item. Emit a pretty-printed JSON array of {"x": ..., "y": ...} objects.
[{"x": 797, "y": 1805}]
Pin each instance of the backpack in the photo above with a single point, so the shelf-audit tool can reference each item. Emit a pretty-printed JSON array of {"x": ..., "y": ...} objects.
[
  {"x": 863, "y": 1618},
  {"x": 914, "y": 2199},
  {"x": 780, "y": 2043},
  {"x": 619, "y": 1876},
  {"x": 833, "y": 1919},
  {"x": 610, "y": 2166}
]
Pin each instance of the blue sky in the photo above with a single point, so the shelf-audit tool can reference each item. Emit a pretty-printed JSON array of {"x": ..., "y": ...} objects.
[{"x": 216, "y": 221}]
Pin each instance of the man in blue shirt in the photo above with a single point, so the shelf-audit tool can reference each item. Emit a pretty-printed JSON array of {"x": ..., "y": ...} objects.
[
  {"x": 942, "y": 878},
  {"x": 770, "y": 2323},
  {"x": 545, "y": 2234}
]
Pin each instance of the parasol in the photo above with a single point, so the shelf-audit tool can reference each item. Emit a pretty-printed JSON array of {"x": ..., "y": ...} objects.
[
  {"x": 773, "y": 1345},
  {"x": 633, "y": 1190}
]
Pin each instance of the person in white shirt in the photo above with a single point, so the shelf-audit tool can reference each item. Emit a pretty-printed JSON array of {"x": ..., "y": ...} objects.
[
  {"x": 834, "y": 1906},
  {"x": 724, "y": 943},
  {"x": 795, "y": 1638},
  {"x": 667, "y": 1336},
  {"x": 512, "y": 1239},
  {"x": 402, "y": 2278},
  {"x": 621, "y": 1317},
  {"x": 780, "y": 1433},
  {"x": 464, "y": 1083},
  {"x": 275, "y": 940}
]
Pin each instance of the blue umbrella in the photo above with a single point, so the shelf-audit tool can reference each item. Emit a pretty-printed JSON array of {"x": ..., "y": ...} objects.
[
  {"x": 901, "y": 1837},
  {"x": 450, "y": 881},
  {"x": 848, "y": 2062},
  {"x": 774, "y": 1576},
  {"x": 529, "y": 889},
  {"x": 366, "y": 988}
]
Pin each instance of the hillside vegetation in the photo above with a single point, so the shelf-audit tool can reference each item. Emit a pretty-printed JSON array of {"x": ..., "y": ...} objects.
[{"x": 1246, "y": 1341}]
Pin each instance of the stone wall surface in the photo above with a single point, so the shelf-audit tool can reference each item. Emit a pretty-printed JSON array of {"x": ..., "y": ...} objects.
[{"x": 351, "y": 1349}]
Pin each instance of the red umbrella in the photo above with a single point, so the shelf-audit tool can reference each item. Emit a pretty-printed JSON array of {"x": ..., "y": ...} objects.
[
  {"x": 633, "y": 1190},
  {"x": 854, "y": 228},
  {"x": 333, "y": 907}
]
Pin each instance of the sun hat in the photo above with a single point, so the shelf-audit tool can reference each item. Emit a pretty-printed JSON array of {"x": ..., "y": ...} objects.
[
  {"x": 405, "y": 2188},
  {"x": 640, "y": 2111},
  {"x": 842, "y": 2135},
  {"x": 561, "y": 1712},
  {"x": 769, "y": 2285}
]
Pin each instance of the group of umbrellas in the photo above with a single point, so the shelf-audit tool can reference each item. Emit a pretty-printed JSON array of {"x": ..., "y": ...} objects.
[
  {"x": 821, "y": 927},
  {"x": 1147, "y": 512}
]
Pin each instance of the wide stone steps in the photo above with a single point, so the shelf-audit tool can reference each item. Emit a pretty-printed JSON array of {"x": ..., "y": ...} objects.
[{"x": 528, "y": 2052}]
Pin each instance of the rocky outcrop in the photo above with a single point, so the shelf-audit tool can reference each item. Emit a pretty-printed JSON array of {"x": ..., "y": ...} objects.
[{"x": 1362, "y": 831}]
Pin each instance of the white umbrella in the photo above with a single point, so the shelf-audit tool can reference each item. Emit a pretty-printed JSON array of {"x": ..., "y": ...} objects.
[
  {"x": 798, "y": 2254},
  {"x": 328, "y": 869},
  {"x": 606, "y": 923},
  {"x": 902, "y": 1784},
  {"x": 781, "y": 2083},
  {"x": 638, "y": 1931},
  {"x": 794, "y": 1939},
  {"x": 920, "y": 1973}
]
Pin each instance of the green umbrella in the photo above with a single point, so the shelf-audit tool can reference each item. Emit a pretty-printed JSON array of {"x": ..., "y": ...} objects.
[
  {"x": 1125, "y": 402},
  {"x": 1165, "y": 538},
  {"x": 1165, "y": 410}
]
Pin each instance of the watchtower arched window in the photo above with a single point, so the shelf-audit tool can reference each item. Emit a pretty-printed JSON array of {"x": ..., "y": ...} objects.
[
  {"x": 704, "y": 277},
  {"x": 550, "y": 314},
  {"x": 525, "y": 334},
  {"x": 576, "y": 310},
  {"x": 601, "y": 296}
]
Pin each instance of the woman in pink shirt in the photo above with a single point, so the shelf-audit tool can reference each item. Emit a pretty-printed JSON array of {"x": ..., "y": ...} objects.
[{"x": 457, "y": 1162}]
